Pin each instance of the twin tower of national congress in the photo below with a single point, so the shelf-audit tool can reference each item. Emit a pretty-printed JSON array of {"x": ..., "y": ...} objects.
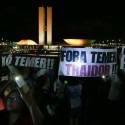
[{"x": 45, "y": 25}]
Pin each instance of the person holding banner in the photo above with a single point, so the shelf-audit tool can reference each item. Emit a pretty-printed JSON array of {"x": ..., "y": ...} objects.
[{"x": 74, "y": 92}]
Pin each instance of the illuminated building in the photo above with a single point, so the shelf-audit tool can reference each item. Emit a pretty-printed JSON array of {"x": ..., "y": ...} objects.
[{"x": 45, "y": 25}]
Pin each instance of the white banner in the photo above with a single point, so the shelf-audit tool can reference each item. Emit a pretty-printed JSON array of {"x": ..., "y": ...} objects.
[
  {"x": 122, "y": 61},
  {"x": 87, "y": 62}
]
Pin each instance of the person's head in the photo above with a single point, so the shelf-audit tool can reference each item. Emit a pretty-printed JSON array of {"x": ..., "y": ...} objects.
[
  {"x": 13, "y": 99},
  {"x": 121, "y": 74}
]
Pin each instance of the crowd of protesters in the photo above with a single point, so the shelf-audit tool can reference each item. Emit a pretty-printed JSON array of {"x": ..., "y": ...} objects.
[{"x": 65, "y": 100}]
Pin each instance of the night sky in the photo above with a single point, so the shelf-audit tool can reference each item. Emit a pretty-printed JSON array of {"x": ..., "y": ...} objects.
[{"x": 18, "y": 19}]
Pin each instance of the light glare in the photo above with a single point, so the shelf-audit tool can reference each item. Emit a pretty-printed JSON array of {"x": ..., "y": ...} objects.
[
  {"x": 103, "y": 76},
  {"x": 17, "y": 78},
  {"x": 77, "y": 42}
]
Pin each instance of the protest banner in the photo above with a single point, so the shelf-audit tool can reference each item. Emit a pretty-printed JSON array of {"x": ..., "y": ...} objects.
[
  {"x": 28, "y": 61},
  {"x": 122, "y": 58},
  {"x": 87, "y": 62}
]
